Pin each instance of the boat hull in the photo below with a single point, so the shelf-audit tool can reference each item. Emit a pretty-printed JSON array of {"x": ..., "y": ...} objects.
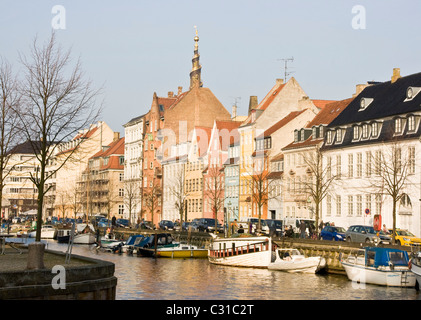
[
  {"x": 383, "y": 277},
  {"x": 183, "y": 253},
  {"x": 251, "y": 252},
  {"x": 416, "y": 270},
  {"x": 305, "y": 265},
  {"x": 84, "y": 238}
]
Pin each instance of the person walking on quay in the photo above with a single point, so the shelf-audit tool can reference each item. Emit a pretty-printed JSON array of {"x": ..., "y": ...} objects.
[{"x": 302, "y": 229}]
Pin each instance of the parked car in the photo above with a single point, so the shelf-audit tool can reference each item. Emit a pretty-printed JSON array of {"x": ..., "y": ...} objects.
[
  {"x": 274, "y": 227},
  {"x": 146, "y": 225},
  {"x": 333, "y": 233},
  {"x": 404, "y": 237},
  {"x": 245, "y": 223},
  {"x": 104, "y": 223},
  {"x": 360, "y": 233},
  {"x": 194, "y": 225},
  {"x": 166, "y": 225},
  {"x": 208, "y": 225},
  {"x": 122, "y": 223}
]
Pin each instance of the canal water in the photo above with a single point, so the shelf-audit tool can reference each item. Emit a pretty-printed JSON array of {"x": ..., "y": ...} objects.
[{"x": 141, "y": 278}]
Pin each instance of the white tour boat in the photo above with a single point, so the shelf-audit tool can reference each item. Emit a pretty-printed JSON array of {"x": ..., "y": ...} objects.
[
  {"x": 241, "y": 251},
  {"x": 380, "y": 266},
  {"x": 85, "y": 234},
  {"x": 291, "y": 260}
]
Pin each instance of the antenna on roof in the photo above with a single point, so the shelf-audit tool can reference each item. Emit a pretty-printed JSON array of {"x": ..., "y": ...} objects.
[{"x": 286, "y": 73}]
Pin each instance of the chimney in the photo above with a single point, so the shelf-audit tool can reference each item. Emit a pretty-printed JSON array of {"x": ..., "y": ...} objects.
[
  {"x": 234, "y": 112},
  {"x": 253, "y": 103},
  {"x": 116, "y": 136},
  {"x": 180, "y": 90},
  {"x": 396, "y": 74},
  {"x": 279, "y": 81},
  {"x": 359, "y": 88},
  {"x": 170, "y": 94}
]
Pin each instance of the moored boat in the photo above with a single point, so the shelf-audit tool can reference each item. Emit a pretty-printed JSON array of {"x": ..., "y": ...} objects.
[
  {"x": 149, "y": 246},
  {"x": 63, "y": 235},
  {"x": 415, "y": 264},
  {"x": 84, "y": 234},
  {"x": 129, "y": 246},
  {"x": 182, "y": 250},
  {"x": 47, "y": 232},
  {"x": 291, "y": 260},
  {"x": 380, "y": 266},
  {"x": 240, "y": 251}
]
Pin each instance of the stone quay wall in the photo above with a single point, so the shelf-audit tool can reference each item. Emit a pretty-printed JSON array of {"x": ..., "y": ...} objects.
[{"x": 92, "y": 280}]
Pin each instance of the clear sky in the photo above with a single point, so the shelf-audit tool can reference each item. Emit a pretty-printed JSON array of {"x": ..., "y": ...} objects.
[{"x": 134, "y": 48}]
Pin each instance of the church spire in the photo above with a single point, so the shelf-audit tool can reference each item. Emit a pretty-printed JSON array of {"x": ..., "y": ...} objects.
[{"x": 195, "y": 80}]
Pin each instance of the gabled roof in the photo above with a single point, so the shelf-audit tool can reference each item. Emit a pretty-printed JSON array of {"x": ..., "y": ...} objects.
[
  {"x": 291, "y": 116},
  {"x": 113, "y": 152},
  {"x": 329, "y": 112},
  {"x": 388, "y": 100}
]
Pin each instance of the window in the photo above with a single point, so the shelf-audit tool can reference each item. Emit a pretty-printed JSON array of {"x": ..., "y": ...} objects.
[
  {"x": 378, "y": 163},
  {"x": 365, "y": 131},
  {"x": 411, "y": 123},
  {"x": 378, "y": 203},
  {"x": 338, "y": 135},
  {"x": 121, "y": 192},
  {"x": 338, "y": 205},
  {"x": 338, "y": 166},
  {"x": 368, "y": 201},
  {"x": 350, "y": 205},
  {"x": 328, "y": 205},
  {"x": 356, "y": 135},
  {"x": 411, "y": 160},
  {"x": 329, "y": 167},
  {"x": 350, "y": 165},
  {"x": 120, "y": 209},
  {"x": 398, "y": 125},
  {"x": 329, "y": 137},
  {"x": 359, "y": 205},
  {"x": 374, "y": 129},
  {"x": 121, "y": 177},
  {"x": 359, "y": 165},
  {"x": 368, "y": 163},
  {"x": 121, "y": 160}
]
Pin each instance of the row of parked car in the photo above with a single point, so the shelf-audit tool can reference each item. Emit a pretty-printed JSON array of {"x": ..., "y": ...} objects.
[{"x": 367, "y": 234}]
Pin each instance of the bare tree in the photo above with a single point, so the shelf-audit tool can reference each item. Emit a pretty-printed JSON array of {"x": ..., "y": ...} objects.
[
  {"x": 320, "y": 179},
  {"x": 214, "y": 190},
  {"x": 132, "y": 193},
  {"x": 59, "y": 102},
  {"x": 392, "y": 167},
  {"x": 261, "y": 184},
  {"x": 177, "y": 190},
  {"x": 152, "y": 198},
  {"x": 10, "y": 102}
]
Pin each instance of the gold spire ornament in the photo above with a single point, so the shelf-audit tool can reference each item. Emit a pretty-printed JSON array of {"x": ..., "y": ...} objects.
[{"x": 195, "y": 74}]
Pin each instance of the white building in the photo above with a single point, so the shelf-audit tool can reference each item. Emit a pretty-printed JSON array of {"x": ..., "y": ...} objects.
[{"x": 382, "y": 121}]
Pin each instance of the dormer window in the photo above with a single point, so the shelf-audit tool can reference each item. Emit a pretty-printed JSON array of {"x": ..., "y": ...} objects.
[
  {"x": 356, "y": 133},
  {"x": 314, "y": 134},
  {"x": 296, "y": 136},
  {"x": 365, "y": 132},
  {"x": 329, "y": 137},
  {"x": 411, "y": 92},
  {"x": 375, "y": 129},
  {"x": 398, "y": 126},
  {"x": 338, "y": 135},
  {"x": 411, "y": 123},
  {"x": 364, "y": 103},
  {"x": 321, "y": 129}
]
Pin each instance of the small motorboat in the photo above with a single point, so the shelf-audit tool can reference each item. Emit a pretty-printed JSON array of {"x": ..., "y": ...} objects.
[
  {"x": 291, "y": 260},
  {"x": 47, "y": 232},
  {"x": 129, "y": 246},
  {"x": 182, "y": 250},
  {"x": 146, "y": 248},
  {"x": 109, "y": 241},
  {"x": 380, "y": 266}
]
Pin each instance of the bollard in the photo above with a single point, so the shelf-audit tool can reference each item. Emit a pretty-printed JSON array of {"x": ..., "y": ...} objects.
[{"x": 36, "y": 256}]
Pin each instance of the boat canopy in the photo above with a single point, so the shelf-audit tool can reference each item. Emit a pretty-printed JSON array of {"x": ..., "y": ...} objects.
[{"x": 376, "y": 256}]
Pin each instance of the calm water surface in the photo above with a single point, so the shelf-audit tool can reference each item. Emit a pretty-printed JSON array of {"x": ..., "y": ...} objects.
[{"x": 197, "y": 279}]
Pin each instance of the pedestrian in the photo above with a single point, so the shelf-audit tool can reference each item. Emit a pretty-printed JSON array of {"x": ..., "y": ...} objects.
[
  {"x": 385, "y": 229},
  {"x": 302, "y": 229}
]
